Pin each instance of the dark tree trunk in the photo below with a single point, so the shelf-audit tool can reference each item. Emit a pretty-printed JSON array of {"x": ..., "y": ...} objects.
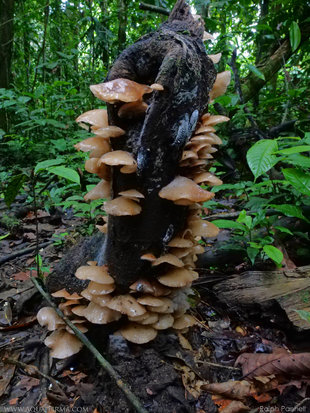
[
  {"x": 122, "y": 19},
  {"x": 6, "y": 50},
  {"x": 174, "y": 57}
]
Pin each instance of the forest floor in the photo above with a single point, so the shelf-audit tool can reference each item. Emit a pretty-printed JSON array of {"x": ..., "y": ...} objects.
[{"x": 166, "y": 374}]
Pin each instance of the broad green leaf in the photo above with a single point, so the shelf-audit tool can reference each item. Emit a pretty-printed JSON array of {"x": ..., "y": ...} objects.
[
  {"x": 283, "y": 229},
  {"x": 299, "y": 160},
  {"x": 256, "y": 71},
  {"x": 295, "y": 149},
  {"x": 13, "y": 188},
  {"x": 290, "y": 210},
  {"x": 243, "y": 218},
  {"x": 226, "y": 223},
  {"x": 300, "y": 180},
  {"x": 305, "y": 315},
  {"x": 65, "y": 172},
  {"x": 46, "y": 164},
  {"x": 261, "y": 158},
  {"x": 252, "y": 254},
  {"x": 273, "y": 253},
  {"x": 295, "y": 36}
]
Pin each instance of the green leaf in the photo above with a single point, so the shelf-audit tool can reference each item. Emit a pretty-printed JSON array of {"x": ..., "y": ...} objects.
[
  {"x": 298, "y": 179},
  {"x": 4, "y": 236},
  {"x": 226, "y": 223},
  {"x": 261, "y": 158},
  {"x": 256, "y": 71},
  {"x": 273, "y": 253},
  {"x": 290, "y": 211},
  {"x": 243, "y": 218},
  {"x": 283, "y": 229},
  {"x": 305, "y": 315},
  {"x": 13, "y": 188},
  {"x": 46, "y": 164},
  {"x": 295, "y": 149},
  {"x": 65, "y": 172},
  {"x": 252, "y": 254},
  {"x": 299, "y": 160},
  {"x": 295, "y": 36}
]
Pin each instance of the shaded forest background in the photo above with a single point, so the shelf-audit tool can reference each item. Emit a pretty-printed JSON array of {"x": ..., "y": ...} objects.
[{"x": 51, "y": 51}]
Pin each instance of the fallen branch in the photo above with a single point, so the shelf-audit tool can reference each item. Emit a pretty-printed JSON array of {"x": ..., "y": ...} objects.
[
  {"x": 33, "y": 371},
  {"x": 104, "y": 363},
  {"x": 24, "y": 251},
  {"x": 155, "y": 9}
]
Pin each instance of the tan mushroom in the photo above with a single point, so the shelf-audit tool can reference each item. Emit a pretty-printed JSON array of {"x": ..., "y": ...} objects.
[
  {"x": 220, "y": 85},
  {"x": 180, "y": 252},
  {"x": 122, "y": 206},
  {"x": 120, "y": 158},
  {"x": 126, "y": 304},
  {"x": 202, "y": 228},
  {"x": 103, "y": 228},
  {"x": 63, "y": 344},
  {"x": 95, "y": 288},
  {"x": 100, "y": 315},
  {"x": 157, "y": 86},
  {"x": 148, "y": 257},
  {"x": 150, "y": 287},
  {"x": 179, "y": 277},
  {"x": 120, "y": 90},
  {"x": 132, "y": 110},
  {"x": 96, "y": 146},
  {"x": 80, "y": 326},
  {"x": 215, "y": 119},
  {"x": 138, "y": 334},
  {"x": 79, "y": 310},
  {"x": 108, "y": 132},
  {"x": 215, "y": 57},
  {"x": 169, "y": 259},
  {"x": 102, "y": 190},
  {"x": 184, "y": 191},
  {"x": 210, "y": 138},
  {"x": 166, "y": 307},
  {"x": 145, "y": 319},
  {"x": 99, "y": 274},
  {"x": 132, "y": 194},
  {"x": 189, "y": 155},
  {"x": 179, "y": 242},
  {"x": 101, "y": 300},
  {"x": 151, "y": 301},
  {"x": 165, "y": 321},
  {"x": 92, "y": 166},
  {"x": 64, "y": 294},
  {"x": 204, "y": 129},
  {"x": 48, "y": 317},
  {"x": 184, "y": 321},
  {"x": 92, "y": 262},
  {"x": 97, "y": 117},
  {"x": 209, "y": 178}
]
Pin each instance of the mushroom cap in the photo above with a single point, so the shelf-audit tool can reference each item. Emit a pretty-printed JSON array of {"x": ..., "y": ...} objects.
[
  {"x": 132, "y": 194},
  {"x": 220, "y": 85},
  {"x": 178, "y": 277},
  {"x": 99, "y": 274},
  {"x": 100, "y": 315},
  {"x": 126, "y": 304},
  {"x": 97, "y": 117},
  {"x": 215, "y": 57},
  {"x": 202, "y": 228},
  {"x": 198, "y": 249},
  {"x": 95, "y": 288},
  {"x": 117, "y": 158},
  {"x": 169, "y": 259},
  {"x": 132, "y": 110},
  {"x": 204, "y": 129},
  {"x": 214, "y": 120},
  {"x": 184, "y": 189},
  {"x": 179, "y": 242},
  {"x": 79, "y": 310},
  {"x": 142, "y": 317},
  {"x": 184, "y": 321},
  {"x": 165, "y": 321},
  {"x": 208, "y": 177},
  {"x": 166, "y": 307},
  {"x": 150, "y": 287},
  {"x": 48, "y": 317},
  {"x": 101, "y": 300},
  {"x": 97, "y": 146},
  {"x": 138, "y": 334},
  {"x": 64, "y": 294},
  {"x": 63, "y": 344},
  {"x": 148, "y": 257},
  {"x": 210, "y": 139},
  {"x": 108, "y": 132},
  {"x": 123, "y": 90},
  {"x": 103, "y": 228},
  {"x": 121, "y": 206},
  {"x": 204, "y": 153},
  {"x": 157, "y": 86},
  {"x": 150, "y": 301},
  {"x": 181, "y": 252},
  {"x": 102, "y": 190},
  {"x": 189, "y": 155},
  {"x": 92, "y": 166}
]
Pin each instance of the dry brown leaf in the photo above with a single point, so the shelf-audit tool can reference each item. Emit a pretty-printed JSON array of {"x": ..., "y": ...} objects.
[
  {"x": 279, "y": 363},
  {"x": 184, "y": 342},
  {"x": 7, "y": 370},
  {"x": 231, "y": 389},
  {"x": 12, "y": 402},
  {"x": 235, "y": 407},
  {"x": 28, "y": 382}
]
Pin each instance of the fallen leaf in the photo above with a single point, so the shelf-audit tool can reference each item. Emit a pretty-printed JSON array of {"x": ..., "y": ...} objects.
[
  {"x": 12, "y": 402},
  {"x": 40, "y": 214},
  {"x": 29, "y": 236},
  {"x": 279, "y": 363},
  {"x": 21, "y": 276},
  {"x": 184, "y": 342},
  {"x": 7, "y": 370},
  {"x": 235, "y": 407},
  {"x": 28, "y": 382},
  {"x": 230, "y": 389}
]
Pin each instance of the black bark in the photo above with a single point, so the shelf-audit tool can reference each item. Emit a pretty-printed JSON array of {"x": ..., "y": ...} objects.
[{"x": 175, "y": 57}]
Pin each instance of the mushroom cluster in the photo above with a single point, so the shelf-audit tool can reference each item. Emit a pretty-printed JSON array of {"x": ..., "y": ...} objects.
[{"x": 150, "y": 305}]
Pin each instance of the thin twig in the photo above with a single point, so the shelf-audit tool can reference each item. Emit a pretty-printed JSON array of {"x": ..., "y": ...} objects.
[
  {"x": 104, "y": 363},
  {"x": 24, "y": 251},
  {"x": 33, "y": 371},
  {"x": 208, "y": 363},
  {"x": 155, "y": 9},
  {"x": 298, "y": 406}
]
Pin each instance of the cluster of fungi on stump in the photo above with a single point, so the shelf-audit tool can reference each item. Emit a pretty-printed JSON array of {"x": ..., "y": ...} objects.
[{"x": 154, "y": 225}]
